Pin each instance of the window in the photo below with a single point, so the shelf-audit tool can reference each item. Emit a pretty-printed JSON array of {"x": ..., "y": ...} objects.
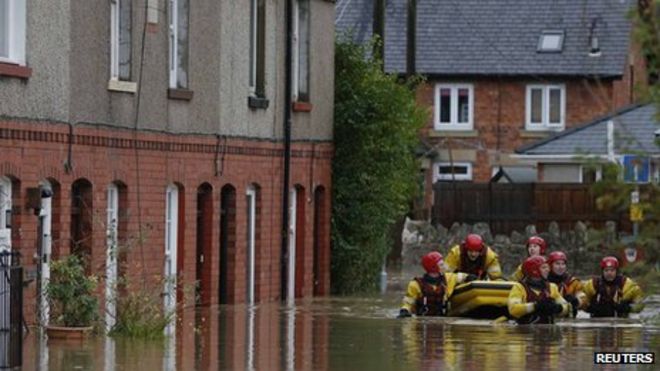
[
  {"x": 301, "y": 27},
  {"x": 455, "y": 171},
  {"x": 178, "y": 44},
  {"x": 120, "y": 40},
  {"x": 546, "y": 106},
  {"x": 551, "y": 42},
  {"x": 453, "y": 107},
  {"x": 257, "y": 47},
  {"x": 12, "y": 31}
]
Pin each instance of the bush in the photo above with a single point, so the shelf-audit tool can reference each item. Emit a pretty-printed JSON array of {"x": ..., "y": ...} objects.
[
  {"x": 70, "y": 294},
  {"x": 140, "y": 315},
  {"x": 374, "y": 169}
]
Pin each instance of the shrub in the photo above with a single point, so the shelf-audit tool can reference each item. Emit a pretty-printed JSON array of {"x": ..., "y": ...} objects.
[{"x": 70, "y": 293}]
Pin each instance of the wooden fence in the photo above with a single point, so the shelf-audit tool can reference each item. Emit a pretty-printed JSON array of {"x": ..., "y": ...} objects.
[{"x": 509, "y": 207}]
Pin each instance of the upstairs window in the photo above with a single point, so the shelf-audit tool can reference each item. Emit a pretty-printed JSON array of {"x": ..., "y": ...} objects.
[
  {"x": 301, "y": 35},
  {"x": 12, "y": 31},
  {"x": 546, "y": 106},
  {"x": 454, "y": 107},
  {"x": 551, "y": 42},
  {"x": 257, "y": 47},
  {"x": 120, "y": 40},
  {"x": 178, "y": 44}
]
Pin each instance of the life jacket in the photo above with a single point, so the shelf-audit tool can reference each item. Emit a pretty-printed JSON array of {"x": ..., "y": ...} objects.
[
  {"x": 476, "y": 267},
  {"x": 533, "y": 297},
  {"x": 562, "y": 282},
  {"x": 432, "y": 301},
  {"x": 608, "y": 294}
]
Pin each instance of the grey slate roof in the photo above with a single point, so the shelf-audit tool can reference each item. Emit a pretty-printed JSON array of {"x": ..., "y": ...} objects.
[
  {"x": 634, "y": 132},
  {"x": 487, "y": 37}
]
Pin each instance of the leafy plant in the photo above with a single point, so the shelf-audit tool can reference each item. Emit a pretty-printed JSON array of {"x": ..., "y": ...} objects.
[
  {"x": 375, "y": 170},
  {"x": 140, "y": 315},
  {"x": 70, "y": 294}
]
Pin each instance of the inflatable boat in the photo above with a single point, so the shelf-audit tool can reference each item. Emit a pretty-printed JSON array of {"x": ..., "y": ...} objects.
[{"x": 480, "y": 299}]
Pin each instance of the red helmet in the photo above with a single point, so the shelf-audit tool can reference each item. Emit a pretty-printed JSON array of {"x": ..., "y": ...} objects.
[
  {"x": 609, "y": 262},
  {"x": 532, "y": 266},
  {"x": 473, "y": 242},
  {"x": 537, "y": 241},
  {"x": 431, "y": 262},
  {"x": 557, "y": 255}
]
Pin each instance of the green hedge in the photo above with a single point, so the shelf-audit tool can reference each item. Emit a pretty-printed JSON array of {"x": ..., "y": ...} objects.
[{"x": 374, "y": 169}]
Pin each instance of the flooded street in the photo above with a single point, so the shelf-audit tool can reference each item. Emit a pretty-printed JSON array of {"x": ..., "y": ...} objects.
[{"x": 347, "y": 334}]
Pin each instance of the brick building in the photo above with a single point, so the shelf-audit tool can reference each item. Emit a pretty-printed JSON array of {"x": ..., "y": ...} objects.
[
  {"x": 149, "y": 137},
  {"x": 500, "y": 75}
]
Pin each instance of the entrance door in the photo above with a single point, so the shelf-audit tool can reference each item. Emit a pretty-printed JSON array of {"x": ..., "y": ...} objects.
[
  {"x": 291, "y": 278},
  {"x": 171, "y": 235},
  {"x": 5, "y": 214},
  {"x": 46, "y": 245},
  {"x": 111, "y": 257}
]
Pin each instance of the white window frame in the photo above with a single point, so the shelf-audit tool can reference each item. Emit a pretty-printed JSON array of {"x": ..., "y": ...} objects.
[
  {"x": 174, "y": 44},
  {"x": 254, "y": 27},
  {"x": 295, "y": 39},
  {"x": 437, "y": 176},
  {"x": 251, "y": 198},
  {"x": 453, "y": 115},
  {"x": 545, "y": 123},
  {"x": 115, "y": 16},
  {"x": 16, "y": 33}
]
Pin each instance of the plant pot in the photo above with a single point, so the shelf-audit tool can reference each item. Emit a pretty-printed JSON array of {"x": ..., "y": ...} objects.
[{"x": 68, "y": 333}]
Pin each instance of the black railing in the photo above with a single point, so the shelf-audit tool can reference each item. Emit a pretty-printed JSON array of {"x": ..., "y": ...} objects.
[{"x": 11, "y": 310}]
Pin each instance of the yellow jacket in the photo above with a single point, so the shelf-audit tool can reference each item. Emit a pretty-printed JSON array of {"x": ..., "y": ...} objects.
[
  {"x": 491, "y": 263},
  {"x": 414, "y": 292},
  {"x": 517, "y": 275},
  {"x": 630, "y": 292},
  {"x": 518, "y": 305}
]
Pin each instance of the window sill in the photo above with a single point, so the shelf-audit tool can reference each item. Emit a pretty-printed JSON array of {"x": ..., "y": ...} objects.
[
  {"x": 538, "y": 133},
  {"x": 122, "y": 86},
  {"x": 180, "y": 94},
  {"x": 435, "y": 133},
  {"x": 255, "y": 102},
  {"x": 302, "y": 107},
  {"x": 14, "y": 70}
]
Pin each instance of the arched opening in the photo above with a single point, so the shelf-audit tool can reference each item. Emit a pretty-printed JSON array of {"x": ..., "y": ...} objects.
[
  {"x": 173, "y": 211},
  {"x": 295, "y": 263},
  {"x": 8, "y": 191},
  {"x": 227, "y": 238},
  {"x": 48, "y": 228},
  {"x": 115, "y": 251},
  {"x": 204, "y": 244},
  {"x": 253, "y": 203},
  {"x": 320, "y": 240},
  {"x": 82, "y": 209}
]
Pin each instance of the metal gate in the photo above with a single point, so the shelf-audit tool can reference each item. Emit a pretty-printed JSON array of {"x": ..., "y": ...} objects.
[{"x": 11, "y": 310}]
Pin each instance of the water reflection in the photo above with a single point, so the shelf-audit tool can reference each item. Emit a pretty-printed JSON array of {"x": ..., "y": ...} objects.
[{"x": 339, "y": 334}]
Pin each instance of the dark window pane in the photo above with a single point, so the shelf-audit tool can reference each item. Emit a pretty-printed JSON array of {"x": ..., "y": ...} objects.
[
  {"x": 445, "y": 105},
  {"x": 125, "y": 40},
  {"x": 182, "y": 44},
  {"x": 303, "y": 50},
  {"x": 463, "y": 106},
  {"x": 555, "y": 106},
  {"x": 537, "y": 106},
  {"x": 456, "y": 169}
]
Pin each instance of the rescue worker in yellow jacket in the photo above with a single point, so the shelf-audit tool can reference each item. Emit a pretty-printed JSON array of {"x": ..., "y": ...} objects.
[
  {"x": 612, "y": 294},
  {"x": 569, "y": 286},
  {"x": 535, "y": 246},
  {"x": 534, "y": 299},
  {"x": 427, "y": 295},
  {"x": 476, "y": 259}
]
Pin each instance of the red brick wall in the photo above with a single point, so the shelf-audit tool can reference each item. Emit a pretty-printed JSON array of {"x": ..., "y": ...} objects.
[{"x": 32, "y": 151}]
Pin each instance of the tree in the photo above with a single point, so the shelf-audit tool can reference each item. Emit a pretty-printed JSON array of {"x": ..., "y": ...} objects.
[{"x": 374, "y": 169}]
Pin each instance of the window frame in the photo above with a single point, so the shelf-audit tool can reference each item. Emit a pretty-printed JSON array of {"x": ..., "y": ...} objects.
[
  {"x": 173, "y": 42},
  {"x": 296, "y": 40},
  {"x": 437, "y": 176},
  {"x": 559, "y": 49},
  {"x": 453, "y": 124},
  {"x": 115, "y": 29},
  {"x": 16, "y": 33},
  {"x": 545, "y": 123}
]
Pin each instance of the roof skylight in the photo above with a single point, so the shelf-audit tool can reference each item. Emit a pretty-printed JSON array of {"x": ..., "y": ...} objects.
[{"x": 551, "y": 42}]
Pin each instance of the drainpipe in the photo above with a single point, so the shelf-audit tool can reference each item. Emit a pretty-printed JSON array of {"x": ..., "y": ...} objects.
[
  {"x": 284, "y": 256},
  {"x": 411, "y": 35}
]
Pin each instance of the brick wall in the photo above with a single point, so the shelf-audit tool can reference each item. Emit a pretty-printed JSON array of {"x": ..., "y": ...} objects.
[{"x": 33, "y": 151}]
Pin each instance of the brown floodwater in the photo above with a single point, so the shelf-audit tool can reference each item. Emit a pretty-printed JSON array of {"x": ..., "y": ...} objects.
[{"x": 347, "y": 334}]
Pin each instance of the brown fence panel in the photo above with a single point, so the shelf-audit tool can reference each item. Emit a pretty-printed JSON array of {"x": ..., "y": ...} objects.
[{"x": 509, "y": 207}]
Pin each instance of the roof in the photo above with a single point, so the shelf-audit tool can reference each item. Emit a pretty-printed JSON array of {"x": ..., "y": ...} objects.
[
  {"x": 634, "y": 132},
  {"x": 498, "y": 37}
]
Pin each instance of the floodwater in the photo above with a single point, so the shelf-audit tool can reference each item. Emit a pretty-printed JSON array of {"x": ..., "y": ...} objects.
[{"x": 348, "y": 334}]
